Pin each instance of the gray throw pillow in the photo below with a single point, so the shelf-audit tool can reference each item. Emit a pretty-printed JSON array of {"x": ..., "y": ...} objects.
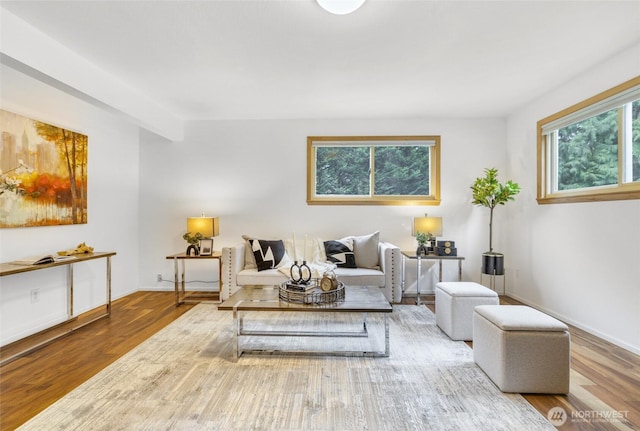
[{"x": 365, "y": 249}]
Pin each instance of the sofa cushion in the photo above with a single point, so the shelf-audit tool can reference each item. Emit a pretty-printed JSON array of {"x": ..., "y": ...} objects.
[
  {"x": 340, "y": 252},
  {"x": 360, "y": 276},
  {"x": 365, "y": 249},
  {"x": 520, "y": 318},
  {"x": 268, "y": 253},
  {"x": 248, "y": 277}
]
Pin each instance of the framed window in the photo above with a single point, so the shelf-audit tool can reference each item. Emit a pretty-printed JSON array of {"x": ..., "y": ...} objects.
[
  {"x": 591, "y": 151},
  {"x": 373, "y": 170}
]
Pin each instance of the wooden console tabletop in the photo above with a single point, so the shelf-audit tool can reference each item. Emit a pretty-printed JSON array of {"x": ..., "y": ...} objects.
[{"x": 10, "y": 268}]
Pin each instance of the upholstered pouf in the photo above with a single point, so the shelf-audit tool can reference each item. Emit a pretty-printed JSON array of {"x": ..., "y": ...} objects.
[
  {"x": 522, "y": 349},
  {"x": 455, "y": 302}
]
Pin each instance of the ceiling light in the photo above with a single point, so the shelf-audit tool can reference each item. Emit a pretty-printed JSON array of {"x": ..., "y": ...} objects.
[{"x": 340, "y": 7}]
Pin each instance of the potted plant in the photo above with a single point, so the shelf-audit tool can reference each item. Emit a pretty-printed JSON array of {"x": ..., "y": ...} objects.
[
  {"x": 194, "y": 241},
  {"x": 422, "y": 239},
  {"x": 488, "y": 192}
]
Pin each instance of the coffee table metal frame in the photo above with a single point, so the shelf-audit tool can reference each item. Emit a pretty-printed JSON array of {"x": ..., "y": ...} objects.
[{"x": 264, "y": 298}]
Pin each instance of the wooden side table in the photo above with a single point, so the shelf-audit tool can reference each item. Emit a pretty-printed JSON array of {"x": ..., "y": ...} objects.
[{"x": 182, "y": 296}]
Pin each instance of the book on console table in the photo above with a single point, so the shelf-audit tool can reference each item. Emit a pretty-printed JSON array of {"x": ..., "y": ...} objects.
[{"x": 41, "y": 260}]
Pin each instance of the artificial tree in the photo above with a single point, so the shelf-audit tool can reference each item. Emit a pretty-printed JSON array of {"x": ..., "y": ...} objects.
[{"x": 488, "y": 192}]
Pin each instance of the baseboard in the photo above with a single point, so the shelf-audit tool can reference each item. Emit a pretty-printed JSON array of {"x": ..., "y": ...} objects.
[
  {"x": 171, "y": 289},
  {"x": 569, "y": 321}
]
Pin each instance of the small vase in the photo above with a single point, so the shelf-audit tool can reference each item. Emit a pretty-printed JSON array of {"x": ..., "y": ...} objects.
[
  {"x": 193, "y": 249},
  {"x": 422, "y": 250},
  {"x": 305, "y": 273},
  {"x": 295, "y": 272}
]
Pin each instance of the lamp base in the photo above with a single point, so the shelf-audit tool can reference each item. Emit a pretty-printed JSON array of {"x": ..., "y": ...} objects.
[
  {"x": 493, "y": 263},
  {"x": 193, "y": 250}
]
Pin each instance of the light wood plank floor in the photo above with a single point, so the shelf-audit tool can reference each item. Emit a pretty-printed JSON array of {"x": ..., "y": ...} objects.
[{"x": 604, "y": 378}]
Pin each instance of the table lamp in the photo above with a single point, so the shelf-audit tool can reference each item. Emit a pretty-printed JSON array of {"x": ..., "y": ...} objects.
[
  {"x": 200, "y": 233},
  {"x": 432, "y": 226}
]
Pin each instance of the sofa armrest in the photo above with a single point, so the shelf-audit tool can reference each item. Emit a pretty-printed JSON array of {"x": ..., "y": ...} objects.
[
  {"x": 390, "y": 263},
  {"x": 232, "y": 263}
]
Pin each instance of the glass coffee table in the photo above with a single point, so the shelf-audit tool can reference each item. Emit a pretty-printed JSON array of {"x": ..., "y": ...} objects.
[{"x": 358, "y": 300}]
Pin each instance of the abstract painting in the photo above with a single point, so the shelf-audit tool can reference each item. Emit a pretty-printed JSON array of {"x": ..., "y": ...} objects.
[{"x": 43, "y": 173}]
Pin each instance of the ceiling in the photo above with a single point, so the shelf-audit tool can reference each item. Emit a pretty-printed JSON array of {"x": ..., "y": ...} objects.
[{"x": 288, "y": 59}]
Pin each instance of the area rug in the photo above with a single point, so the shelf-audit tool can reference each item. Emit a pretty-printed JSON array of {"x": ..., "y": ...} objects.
[{"x": 186, "y": 378}]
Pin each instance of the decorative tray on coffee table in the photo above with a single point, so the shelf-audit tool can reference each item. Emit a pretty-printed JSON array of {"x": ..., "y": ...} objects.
[{"x": 311, "y": 293}]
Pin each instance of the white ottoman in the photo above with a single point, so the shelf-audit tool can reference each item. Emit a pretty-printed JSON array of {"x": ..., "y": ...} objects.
[
  {"x": 522, "y": 349},
  {"x": 455, "y": 302}
]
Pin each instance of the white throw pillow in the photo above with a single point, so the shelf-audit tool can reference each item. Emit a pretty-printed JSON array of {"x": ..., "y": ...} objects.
[{"x": 249, "y": 258}]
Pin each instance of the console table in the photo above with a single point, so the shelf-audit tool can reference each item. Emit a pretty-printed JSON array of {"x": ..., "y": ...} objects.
[
  {"x": 412, "y": 255},
  {"x": 14, "y": 268},
  {"x": 178, "y": 283}
]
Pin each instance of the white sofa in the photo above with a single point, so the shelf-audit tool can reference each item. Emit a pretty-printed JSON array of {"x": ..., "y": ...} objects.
[{"x": 387, "y": 275}]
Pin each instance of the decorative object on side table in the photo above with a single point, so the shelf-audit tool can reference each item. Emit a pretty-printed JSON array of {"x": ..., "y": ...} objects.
[
  {"x": 426, "y": 229},
  {"x": 488, "y": 192},
  {"x": 422, "y": 239},
  {"x": 200, "y": 233},
  {"x": 446, "y": 248},
  {"x": 194, "y": 240}
]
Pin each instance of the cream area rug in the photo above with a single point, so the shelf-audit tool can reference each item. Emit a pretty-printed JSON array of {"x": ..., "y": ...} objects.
[{"x": 186, "y": 378}]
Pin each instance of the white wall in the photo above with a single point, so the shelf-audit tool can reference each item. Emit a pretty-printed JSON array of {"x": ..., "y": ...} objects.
[
  {"x": 580, "y": 261},
  {"x": 252, "y": 174},
  {"x": 112, "y": 214}
]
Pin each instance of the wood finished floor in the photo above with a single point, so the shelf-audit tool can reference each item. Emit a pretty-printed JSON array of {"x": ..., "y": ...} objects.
[{"x": 604, "y": 377}]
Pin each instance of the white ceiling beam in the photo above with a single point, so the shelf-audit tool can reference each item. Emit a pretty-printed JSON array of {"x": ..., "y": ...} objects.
[{"x": 25, "y": 48}]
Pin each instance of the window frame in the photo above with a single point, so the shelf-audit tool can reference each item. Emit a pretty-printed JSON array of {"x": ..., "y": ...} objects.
[
  {"x": 434, "y": 173},
  {"x": 546, "y": 161}
]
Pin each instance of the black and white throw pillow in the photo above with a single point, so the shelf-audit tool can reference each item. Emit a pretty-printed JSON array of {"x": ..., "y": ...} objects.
[
  {"x": 340, "y": 252},
  {"x": 268, "y": 253}
]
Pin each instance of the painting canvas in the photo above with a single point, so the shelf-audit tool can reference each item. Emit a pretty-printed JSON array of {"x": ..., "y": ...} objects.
[{"x": 43, "y": 174}]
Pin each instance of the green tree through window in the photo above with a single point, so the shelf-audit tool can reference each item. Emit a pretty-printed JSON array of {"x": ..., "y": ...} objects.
[
  {"x": 402, "y": 170},
  {"x": 588, "y": 152},
  {"x": 591, "y": 151},
  {"x": 342, "y": 171}
]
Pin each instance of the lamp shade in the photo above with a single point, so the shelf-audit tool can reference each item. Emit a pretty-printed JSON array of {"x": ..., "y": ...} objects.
[
  {"x": 208, "y": 227},
  {"x": 432, "y": 225}
]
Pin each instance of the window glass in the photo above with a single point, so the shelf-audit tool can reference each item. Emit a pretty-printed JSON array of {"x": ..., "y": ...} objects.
[
  {"x": 591, "y": 151},
  {"x": 375, "y": 170},
  {"x": 342, "y": 171},
  {"x": 588, "y": 152},
  {"x": 401, "y": 171}
]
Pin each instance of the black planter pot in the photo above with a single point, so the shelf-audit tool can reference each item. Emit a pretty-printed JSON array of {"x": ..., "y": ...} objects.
[{"x": 493, "y": 263}]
